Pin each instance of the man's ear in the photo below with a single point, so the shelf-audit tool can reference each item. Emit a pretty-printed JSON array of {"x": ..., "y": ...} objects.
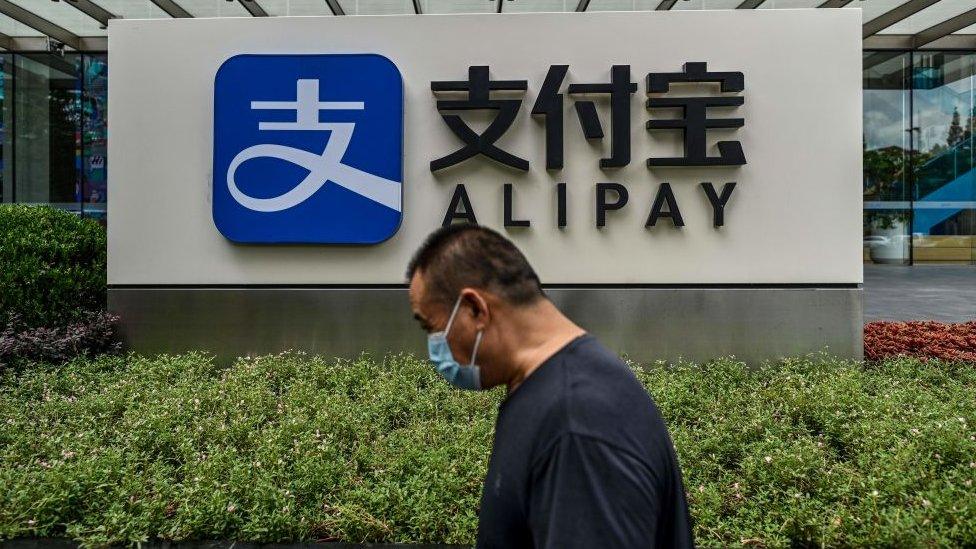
[{"x": 479, "y": 305}]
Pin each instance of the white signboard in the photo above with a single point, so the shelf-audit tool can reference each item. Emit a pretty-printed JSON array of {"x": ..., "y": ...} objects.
[{"x": 323, "y": 150}]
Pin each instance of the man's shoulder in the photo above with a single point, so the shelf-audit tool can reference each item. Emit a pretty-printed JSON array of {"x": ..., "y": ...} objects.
[
  {"x": 586, "y": 397},
  {"x": 606, "y": 401},
  {"x": 596, "y": 377},
  {"x": 543, "y": 404}
]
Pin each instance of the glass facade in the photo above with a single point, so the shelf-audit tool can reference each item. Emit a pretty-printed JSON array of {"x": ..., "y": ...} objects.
[
  {"x": 94, "y": 128},
  {"x": 919, "y": 169},
  {"x": 53, "y": 130}
]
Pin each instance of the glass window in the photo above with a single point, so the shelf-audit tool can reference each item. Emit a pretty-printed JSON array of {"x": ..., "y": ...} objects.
[
  {"x": 94, "y": 120},
  {"x": 887, "y": 152},
  {"x": 6, "y": 117},
  {"x": 944, "y": 115},
  {"x": 47, "y": 133}
]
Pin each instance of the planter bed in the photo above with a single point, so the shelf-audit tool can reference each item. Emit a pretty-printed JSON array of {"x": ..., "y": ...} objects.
[{"x": 293, "y": 448}]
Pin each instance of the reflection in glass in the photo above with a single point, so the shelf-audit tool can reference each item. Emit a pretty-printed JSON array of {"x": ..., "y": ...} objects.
[
  {"x": 944, "y": 111},
  {"x": 94, "y": 115},
  {"x": 887, "y": 150},
  {"x": 47, "y": 135}
]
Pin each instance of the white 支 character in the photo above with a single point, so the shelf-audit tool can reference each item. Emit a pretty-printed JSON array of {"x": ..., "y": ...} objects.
[{"x": 323, "y": 167}]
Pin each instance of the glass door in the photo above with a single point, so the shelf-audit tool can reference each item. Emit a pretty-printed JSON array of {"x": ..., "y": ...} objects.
[
  {"x": 887, "y": 158},
  {"x": 944, "y": 194},
  {"x": 47, "y": 132}
]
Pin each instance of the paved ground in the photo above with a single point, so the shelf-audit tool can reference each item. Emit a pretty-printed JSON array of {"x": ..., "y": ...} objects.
[{"x": 924, "y": 292}]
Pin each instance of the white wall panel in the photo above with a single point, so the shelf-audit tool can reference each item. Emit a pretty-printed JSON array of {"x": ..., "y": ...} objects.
[{"x": 795, "y": 216}]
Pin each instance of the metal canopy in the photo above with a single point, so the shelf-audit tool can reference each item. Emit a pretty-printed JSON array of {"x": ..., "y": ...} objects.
[
  {"x": 834, "y": 4},
  {"x": 944, "y": 28},
  {"x": 40, "y": 24},
  {"x": 253, "y": 8},
  {"x": 93, "y": 10},
  {"x": 80, "y": 24},
  {"x": 749, "y": 4},
  {"x": 900, "y": 13},
  {"x": 336, "y": 7},
  {"x": 172, "y": 8}
]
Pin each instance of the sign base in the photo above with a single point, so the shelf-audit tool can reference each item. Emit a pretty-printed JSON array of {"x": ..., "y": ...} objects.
[{"x": 753, "y": 323}]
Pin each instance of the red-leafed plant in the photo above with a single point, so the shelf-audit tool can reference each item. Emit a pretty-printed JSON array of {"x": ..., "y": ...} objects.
[
  {"x": 94, "y": 334},
  {"x": 922, "y": 339}
]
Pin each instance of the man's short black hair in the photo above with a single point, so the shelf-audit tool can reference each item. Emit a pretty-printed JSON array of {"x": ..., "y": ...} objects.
[{"x": 466, "y": 255}]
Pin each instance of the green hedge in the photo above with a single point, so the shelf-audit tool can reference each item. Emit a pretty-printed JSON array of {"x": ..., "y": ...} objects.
[
  {"x": 292, "y": 447},
  {"x": 53, "y": 265}
]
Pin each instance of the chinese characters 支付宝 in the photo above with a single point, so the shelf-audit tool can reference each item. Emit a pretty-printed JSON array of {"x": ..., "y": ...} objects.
[{"x": 693, "y": 124}]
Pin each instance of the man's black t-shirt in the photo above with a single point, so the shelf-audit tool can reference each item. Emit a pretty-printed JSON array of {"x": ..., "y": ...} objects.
[{"x": 582, "y": 458}]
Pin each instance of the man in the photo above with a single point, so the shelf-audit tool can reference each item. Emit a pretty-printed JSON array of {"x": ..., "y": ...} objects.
[{"x": 581, "y": 456}]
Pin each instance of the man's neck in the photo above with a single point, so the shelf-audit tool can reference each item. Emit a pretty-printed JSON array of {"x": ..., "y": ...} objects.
[{"x": 537, "y": 332}]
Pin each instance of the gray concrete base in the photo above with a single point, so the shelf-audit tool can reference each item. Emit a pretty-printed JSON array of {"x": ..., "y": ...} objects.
[{"x": 753, "y": 324}]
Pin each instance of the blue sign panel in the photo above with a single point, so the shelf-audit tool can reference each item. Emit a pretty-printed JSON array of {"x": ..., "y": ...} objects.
[{"x": 308, "y": 149}]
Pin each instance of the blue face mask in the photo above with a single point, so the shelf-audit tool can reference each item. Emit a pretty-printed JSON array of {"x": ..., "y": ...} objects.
[{"x": 463, "y": 377}]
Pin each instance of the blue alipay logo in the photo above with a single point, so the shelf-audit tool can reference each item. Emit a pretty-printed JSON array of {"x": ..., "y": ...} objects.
[{"x": 308, "y": 149}]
